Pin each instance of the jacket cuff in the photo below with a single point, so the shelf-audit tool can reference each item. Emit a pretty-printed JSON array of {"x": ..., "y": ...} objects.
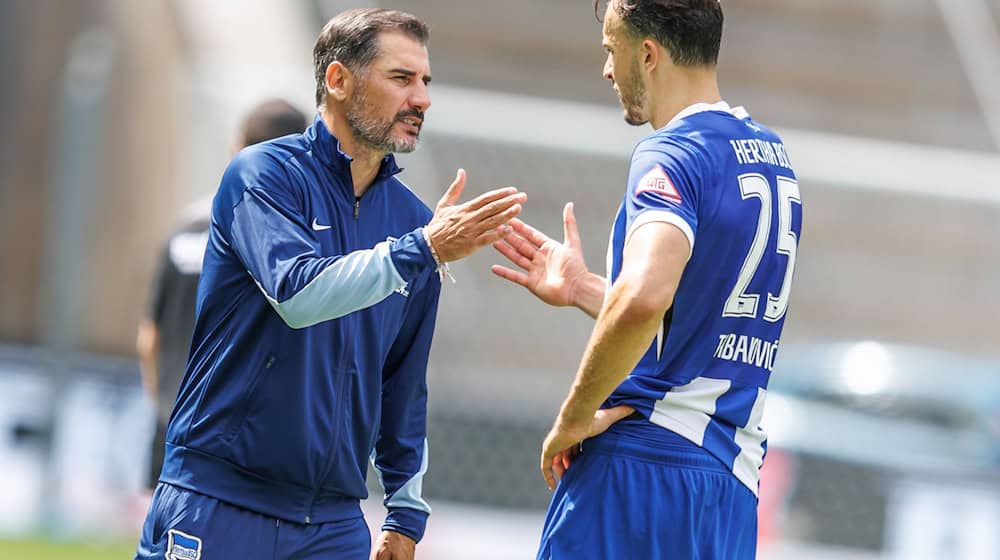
[
  {"x": 406, "y": 521},
  {"x": 411, "y": 255}
]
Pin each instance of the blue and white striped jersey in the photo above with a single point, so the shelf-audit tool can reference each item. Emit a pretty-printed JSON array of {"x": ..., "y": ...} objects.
[{"x": 727, "y": 183}]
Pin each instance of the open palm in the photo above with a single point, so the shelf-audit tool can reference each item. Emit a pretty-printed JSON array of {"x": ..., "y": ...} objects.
[{"x": 549, "y": 269}]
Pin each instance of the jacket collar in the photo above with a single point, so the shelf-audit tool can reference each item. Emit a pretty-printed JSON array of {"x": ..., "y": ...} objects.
[{"x": 326, "y": 147}]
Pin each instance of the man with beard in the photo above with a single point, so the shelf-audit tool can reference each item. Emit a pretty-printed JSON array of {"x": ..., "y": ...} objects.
[
  {"x": 316, "y": 310},
  {"x": 657, "y": 448}
]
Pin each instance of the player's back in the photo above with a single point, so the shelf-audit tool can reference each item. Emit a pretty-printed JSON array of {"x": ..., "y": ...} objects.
[{"x": 727, "y": 182}]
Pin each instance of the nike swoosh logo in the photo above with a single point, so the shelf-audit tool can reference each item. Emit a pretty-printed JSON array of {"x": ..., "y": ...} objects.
[{"x": 318, "y": 227}]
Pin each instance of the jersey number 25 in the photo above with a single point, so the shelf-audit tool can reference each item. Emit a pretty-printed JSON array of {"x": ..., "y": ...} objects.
[{"x": 743, "y": 304}]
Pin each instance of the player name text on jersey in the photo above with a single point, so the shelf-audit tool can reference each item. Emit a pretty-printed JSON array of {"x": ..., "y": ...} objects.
[
  {"x": 754, "y": 150},
  {"x": 749, "y": 350}
]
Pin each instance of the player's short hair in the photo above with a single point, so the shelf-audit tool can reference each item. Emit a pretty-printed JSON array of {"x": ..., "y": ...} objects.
[
  {"x": 271, "y": 119},
  {"x": 351, "y": 38},
  {"x": 690, "y": 30}
]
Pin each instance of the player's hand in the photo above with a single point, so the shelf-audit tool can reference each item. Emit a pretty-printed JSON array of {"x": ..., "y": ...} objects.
[
  {"x": 391, "y": 545},
  {"x": 551, "y": 270},
  {"x": 458, "y": 230},
  {"x": 562, "y": 445}
]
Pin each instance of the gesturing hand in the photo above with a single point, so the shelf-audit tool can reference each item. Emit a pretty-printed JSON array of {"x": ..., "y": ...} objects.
[
  {"x": 391, "y": 545},
  {"x": 458, "y": 230},
  {"x": 551, "y": 269},
  {"x": 561, "y": 446}
]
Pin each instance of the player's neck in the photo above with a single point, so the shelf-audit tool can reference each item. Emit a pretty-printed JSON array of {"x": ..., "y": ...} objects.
[
  {"x": 365, "y": 162},
  {"x": 680, "y": 88}
]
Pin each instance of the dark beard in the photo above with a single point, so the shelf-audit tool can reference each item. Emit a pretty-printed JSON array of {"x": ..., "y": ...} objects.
[
  {"x": 376, "y": 133},
  {"x": 633, "y": 97}
]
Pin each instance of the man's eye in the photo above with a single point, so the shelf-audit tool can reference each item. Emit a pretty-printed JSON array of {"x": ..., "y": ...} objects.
[{"x": 402, "y": 79}]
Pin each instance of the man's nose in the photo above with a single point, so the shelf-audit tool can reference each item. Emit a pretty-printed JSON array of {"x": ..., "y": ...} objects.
[{"x": 421, "y": 98}]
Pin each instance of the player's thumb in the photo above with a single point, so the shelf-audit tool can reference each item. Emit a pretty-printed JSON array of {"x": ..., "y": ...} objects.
[
  {"x": 454, "y": 191},
  {"x": 571, "y": 231}
]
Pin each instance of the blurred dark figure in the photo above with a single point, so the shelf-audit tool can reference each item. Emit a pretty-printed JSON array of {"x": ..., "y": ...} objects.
[{"x": 164, "y": 337}]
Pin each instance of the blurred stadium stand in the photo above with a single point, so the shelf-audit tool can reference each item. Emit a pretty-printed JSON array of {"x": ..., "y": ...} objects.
[{"x": 898, "y": 164}]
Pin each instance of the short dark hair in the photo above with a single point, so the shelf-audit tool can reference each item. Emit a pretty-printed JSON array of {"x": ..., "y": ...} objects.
[
  {"x": 271, "y": 119},
  {"x": 351, "y": 38},
  {"x": 690, "y": 30}
]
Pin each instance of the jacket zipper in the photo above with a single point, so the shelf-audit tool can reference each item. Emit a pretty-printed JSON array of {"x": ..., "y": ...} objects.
[{"x": 341, "y": 392}]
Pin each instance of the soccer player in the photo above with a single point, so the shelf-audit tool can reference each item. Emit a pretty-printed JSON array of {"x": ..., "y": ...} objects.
[
  {"x": 668, "y": 397},
  {"x": 316, "y": 310},
  {"x": 164, "y": 336}
]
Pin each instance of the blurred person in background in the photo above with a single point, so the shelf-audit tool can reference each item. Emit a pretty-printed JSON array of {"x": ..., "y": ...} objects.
[
  {"x": 164, "y": 337},
  {"x": 670, "y": 392},
  {"x": 316, "y": 311}
]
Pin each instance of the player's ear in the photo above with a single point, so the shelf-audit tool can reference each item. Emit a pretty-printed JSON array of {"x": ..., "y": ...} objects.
[
  {"x": 338, "y": 81},
  {"x": 650, "y": 53}
]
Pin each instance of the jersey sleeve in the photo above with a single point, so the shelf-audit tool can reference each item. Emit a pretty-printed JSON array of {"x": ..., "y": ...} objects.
[{"x": 664, "y": 185}]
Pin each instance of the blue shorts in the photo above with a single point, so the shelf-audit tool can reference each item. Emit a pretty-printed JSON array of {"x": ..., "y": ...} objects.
[
  {"x": 640, "y": 491},
  {"x": 186, "y": 525}
]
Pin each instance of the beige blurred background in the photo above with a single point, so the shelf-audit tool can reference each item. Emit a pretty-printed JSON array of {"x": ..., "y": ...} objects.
[
  {"x": 912, "y": 265},
  {"x": 118, "y": 114}
]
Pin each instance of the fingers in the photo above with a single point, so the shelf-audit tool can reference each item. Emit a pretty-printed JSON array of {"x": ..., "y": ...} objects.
[
  {"x": 501, "y": 218},
  {"x": 457, "y": 231},
  {"x": 492, "y": 196},
  {"x": 529, "y": 233},
  {"x": 568, "y": 455},
  {"x": 547, "y": 473},
  {"x": 454, "y": 191},
  {"x": 514, "y": 276},
  {"x": 500, "y": 206},
  {"x": 571, "y": 231},
  {"x": 513, "y": 255},
  {"x": 548, "y": 455},
  {"x": 566, "y": 459},
  {"x": 492, "y": 236},
  {"x": 526, "y": 248},
  {"x": 558, "y": 466}
]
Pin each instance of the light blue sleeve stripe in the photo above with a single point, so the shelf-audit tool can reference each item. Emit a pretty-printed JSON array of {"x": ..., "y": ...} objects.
[
  {"x": 357, "y": 280},
  {"x": 410, "y": 494}
]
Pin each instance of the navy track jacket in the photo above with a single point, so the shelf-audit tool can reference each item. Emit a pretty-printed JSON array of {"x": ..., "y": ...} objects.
[{"x": 315, "y": 317}]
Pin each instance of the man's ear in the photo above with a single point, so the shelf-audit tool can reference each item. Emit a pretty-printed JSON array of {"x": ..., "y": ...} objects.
[
  {"x": 339, "y": 81},
  {"x": 651, "y": 54}
]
